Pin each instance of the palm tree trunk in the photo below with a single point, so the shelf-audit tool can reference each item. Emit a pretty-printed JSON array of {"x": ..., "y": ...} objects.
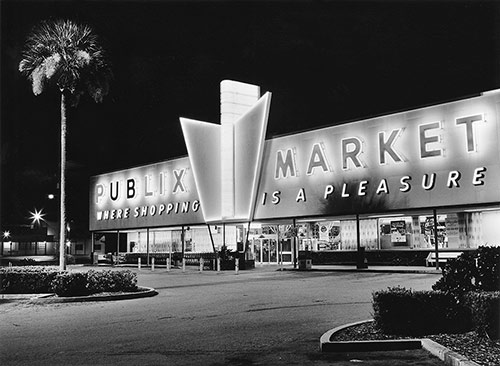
[{"x": 62, "y": 232}]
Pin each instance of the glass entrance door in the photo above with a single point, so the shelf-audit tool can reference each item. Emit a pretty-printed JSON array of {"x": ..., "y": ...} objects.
[{"x": 266, "y": 250}]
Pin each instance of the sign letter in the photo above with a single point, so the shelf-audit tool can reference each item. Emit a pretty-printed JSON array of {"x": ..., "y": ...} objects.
[
  {"x": 99, "y": 192},
  {"x": 179, "y": 185},
  {"x": 285, "y": 165},
  {"x": 130, "y": 188},
  {"x": 317, "y": 159},
  {"x": 352, "y": 154},
  {"x": 426, "y": 140},
  {"x": 469, "y": 129},
  {"x": 387, "y": 146}
]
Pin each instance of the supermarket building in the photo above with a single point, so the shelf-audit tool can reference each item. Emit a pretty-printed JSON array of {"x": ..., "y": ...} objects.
[{"x": 400, "y": 186}]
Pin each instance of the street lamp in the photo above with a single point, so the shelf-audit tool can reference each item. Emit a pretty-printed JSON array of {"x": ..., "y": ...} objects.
[
  {"x": 37, "y": 216},
  {"x": 5, "y": 237}
]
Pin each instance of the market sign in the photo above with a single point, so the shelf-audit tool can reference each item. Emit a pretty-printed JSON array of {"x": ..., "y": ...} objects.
[
  {"x": 161, "y": 194},
  {"x": 431, "y": 157}
]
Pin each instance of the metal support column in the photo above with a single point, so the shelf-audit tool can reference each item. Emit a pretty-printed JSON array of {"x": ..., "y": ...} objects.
[
  {"x": 183, "y": 242},
  {"x": 248, "y": 233},
  {"x": 147, "y": 246},
  {"x": 295, "y": 244},
  {"x": 117, "y": 246},
  {"x": 224, "y": 234},
  {"x": 358, "y": 234},
  {"x": 361, "y": 260},
  {"x": 213, "y": 246},
  {"x": 211, "y": 239},
  {"x": 92, "y": 250},
  {"x": 436, "y": 245}
]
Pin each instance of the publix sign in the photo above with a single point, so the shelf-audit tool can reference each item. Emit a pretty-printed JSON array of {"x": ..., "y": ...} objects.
[{"x": 146, "y": 196}]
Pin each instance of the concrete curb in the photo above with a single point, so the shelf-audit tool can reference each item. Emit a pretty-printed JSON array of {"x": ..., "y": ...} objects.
[
  {"x": 12, "y": 297},
  {"x": 373, "y": 270},
  {"x": 143, "y": 292},
  {"x": 444, "y": 354}
]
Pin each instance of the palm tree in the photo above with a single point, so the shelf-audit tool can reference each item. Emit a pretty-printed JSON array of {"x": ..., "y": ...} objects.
[{"x": 68, "y": 55}]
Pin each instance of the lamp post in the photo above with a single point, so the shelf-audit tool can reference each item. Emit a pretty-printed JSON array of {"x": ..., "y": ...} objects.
[{"x": 6, "y": 235}]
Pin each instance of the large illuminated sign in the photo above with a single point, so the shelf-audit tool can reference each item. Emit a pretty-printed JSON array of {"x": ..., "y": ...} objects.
[
  {"x": 431, "y": 157},
  {"x": 226, "y": 161},
  {"x": 444, "y": 155},
  {"x": 161, "y": 194}
]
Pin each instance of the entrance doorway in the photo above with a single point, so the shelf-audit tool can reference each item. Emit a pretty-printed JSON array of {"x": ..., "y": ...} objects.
[{"x": 267, "y": 250}]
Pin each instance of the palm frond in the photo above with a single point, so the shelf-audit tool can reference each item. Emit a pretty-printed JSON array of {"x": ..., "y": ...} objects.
[{"x": 69, "y": 55}]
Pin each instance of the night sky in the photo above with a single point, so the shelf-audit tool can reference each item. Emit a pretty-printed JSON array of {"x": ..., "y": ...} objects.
[{"x": 325, "y": 63}]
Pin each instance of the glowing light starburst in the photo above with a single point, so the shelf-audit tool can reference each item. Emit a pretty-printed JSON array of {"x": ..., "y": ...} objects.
[{"x": 37, "y": 216}]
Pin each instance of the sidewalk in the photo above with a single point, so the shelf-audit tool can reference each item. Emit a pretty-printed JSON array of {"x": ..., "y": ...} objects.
[
  {"x": 386, "y": 269},
  {"x": 288, "y": 267}
]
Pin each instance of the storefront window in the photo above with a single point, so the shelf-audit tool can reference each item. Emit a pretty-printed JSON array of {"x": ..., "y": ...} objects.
[
  {"x": 272, "y": 243},
  {"x": 455, "y": 230},
  {"x": 401, "y": 232},
  {"x": 320, "y": 235}
]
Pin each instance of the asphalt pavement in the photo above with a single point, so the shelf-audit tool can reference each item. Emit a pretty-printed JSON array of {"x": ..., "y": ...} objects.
[{"x": 263, "y": 316}]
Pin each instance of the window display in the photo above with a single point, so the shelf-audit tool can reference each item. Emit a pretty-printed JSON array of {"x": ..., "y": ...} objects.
[{"x": 455, "y": 230}]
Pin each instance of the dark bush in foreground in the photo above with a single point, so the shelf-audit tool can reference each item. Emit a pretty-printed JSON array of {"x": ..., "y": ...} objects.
[
  {"x": 111, "y": 281},
  {"x": 70, "y": 284},
  {"x": 471, "y": 271},
  {"x": 485, "y": 309},
  {"x": 27, "y": 280},
  {"x": 92, "y": 282},
  {"x": 24, "y": 280},
  {"x": 406, "y": 312}
]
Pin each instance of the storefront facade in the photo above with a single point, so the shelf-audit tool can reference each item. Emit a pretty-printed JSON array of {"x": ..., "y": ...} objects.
[{"x": 423, "y": 180}]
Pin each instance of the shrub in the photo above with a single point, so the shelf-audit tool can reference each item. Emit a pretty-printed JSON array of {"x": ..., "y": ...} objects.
[
  {"x": 471, "y": 271},
  {"x": 27, "y": 262},
  {"x": 70, "y": 284},
  {"x": 458, "y": 275},
  {"x": 485, "y": 308},
  {"x": 488, "y": 268},
  {"x": 80, "y": 284},
  {"x": 111, "y": 281},
  {"x": 27, "y": 280},
  {"x": 406, "y": 312}
]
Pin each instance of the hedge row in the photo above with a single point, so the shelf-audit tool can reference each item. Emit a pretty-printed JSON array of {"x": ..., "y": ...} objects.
[
  {"x": 23, "y": 280},
  {"x": 478, "y": 270},
  {"x": 485, "y": 312},
  {"x": 406, "y": 312},
  {"x": 27, "y": 280},
  {"x": 466, "y": 297}
]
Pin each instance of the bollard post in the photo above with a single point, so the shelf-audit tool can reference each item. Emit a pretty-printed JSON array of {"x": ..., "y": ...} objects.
[
  {"x": 168, "y": 264},
  {"x": 236, "y": 265},
  {"x": 218, "y": 264},
  {"x": 153, "y": 264},
  {"x": 201, "y": 264},
  {"x": 139, "y": 263},
  {"x": 183, "y": 265}
]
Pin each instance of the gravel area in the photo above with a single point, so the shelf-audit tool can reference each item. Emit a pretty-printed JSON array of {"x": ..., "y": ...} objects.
[{"x": 481, "y": 350}]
